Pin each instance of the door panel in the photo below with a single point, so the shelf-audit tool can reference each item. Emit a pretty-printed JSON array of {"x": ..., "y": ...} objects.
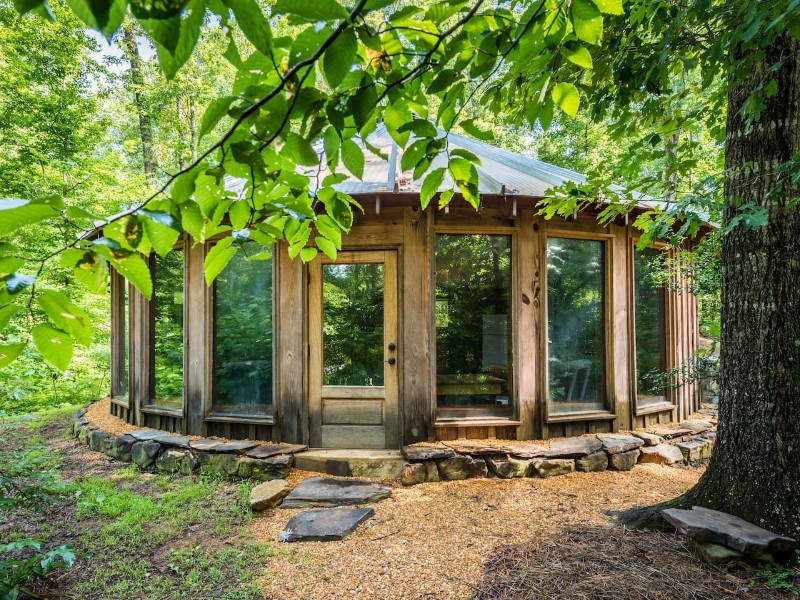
[{"x": 353, "y": 350}]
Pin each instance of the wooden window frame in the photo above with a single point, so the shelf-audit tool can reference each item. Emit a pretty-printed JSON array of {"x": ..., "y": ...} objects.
[
  {"x": 209, "y": 323},
  {"x": 120, "y": 297},
  {"x": 511, "y": 231},
  {"x": 669, "y": 403},
  {"x": 608, "y": 330},
  {"x": 150, "y": 406}
]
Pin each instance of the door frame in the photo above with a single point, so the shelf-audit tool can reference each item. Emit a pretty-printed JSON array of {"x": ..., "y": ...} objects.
[{"x": 391, "y": 327}]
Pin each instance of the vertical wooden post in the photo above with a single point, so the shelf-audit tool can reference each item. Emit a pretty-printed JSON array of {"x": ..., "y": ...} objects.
[
  {"x": 618, "y": 350},
  {"x": 194, "y": 379},
  {"x": 291, "y": 405},
  {"x": 527, "y": 355},
  {"x": 417, "y": 311}
]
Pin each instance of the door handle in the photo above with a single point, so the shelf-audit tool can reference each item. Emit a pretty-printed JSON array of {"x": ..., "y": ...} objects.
[
  {"x": 392, "y": 347},
  {"x": 392, "y": 360}
]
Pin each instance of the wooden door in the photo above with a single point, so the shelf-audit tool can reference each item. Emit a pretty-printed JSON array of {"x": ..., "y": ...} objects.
[{"x": 353, "y": 350}]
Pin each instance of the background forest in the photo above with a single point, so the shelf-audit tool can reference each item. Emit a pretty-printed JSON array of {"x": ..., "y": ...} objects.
[{"x": 100, "y": 125}]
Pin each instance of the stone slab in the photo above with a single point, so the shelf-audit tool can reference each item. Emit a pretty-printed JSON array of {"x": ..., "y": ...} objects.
[
  {"x": 378, "y": 464},
  {"x": 475, "y": 449},
  {"x": 615, "y": 443},
  {"x": 269, "y": 494},
  {"x": 462, "y": 467},
  {"x": 623, "y": 461},
  {"x": 169, "y": 439},
  {"x": 329, "y": 491},
  {"x": 508, "y": 468},
  {"x": 526, "y": 450},
  {"x": 552, "y": 467},
  {"x": 205, "y": 445},
  {"x": 576, "y": 447},
  {"x": 715, "y": 554},
  {"x": 595, "y": 462},
  {"x": 696, "y": 425},
  {"x": 414, "y": 473},
  {"x": 264, "y": 469},
  {"x": 706, "y": 525},
  {"x": 146, "y": 435},
  {"x": 234, "y": 447},
  {"x": 327, "y": 525},
  {"x": 663, "y": 454},
  {"x": 649, "y": 439},
  {"x": 266, "y": 451},
  {"x": 422, "y": 453},
  {"x": 669, "y": 433}
]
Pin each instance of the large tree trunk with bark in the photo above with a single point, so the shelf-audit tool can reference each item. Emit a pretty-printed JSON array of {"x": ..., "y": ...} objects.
[
  {"x": 755, "y": 470},
  {"x": 130, "y": 48}
]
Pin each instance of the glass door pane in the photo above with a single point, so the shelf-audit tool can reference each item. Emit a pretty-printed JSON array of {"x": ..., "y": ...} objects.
[{"x": 352, "y": 324}]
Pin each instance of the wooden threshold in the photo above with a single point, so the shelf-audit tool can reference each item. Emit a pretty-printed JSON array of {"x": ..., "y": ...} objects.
[
  {"x": 593, "y": 416},
  {"x": 655, "y": 408},
  {"x": 478, "y": 423},
  {"x": 249, "y": 420},
  {"x": 167, "y": 412}
]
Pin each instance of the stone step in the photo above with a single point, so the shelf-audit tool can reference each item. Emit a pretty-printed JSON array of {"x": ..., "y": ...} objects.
[
  {"x": 378, "y": 464},
  {"x": 327, "y": 525},
  {"x": 316, "y": 492}
]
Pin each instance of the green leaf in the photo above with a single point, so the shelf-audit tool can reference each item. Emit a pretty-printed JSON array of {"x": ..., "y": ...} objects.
[
  {"x": 475, "y": 131},
  {"x": 353, "y": 158},
  {"x": 395, "y": 116},
  {"x": 183, "y": 186},
  {"x": 311, "y": 10},
  {"x": 9, "y": 265},
  {"x": 16, "y": 213},
  {"x": 103, "y": 15},
  {"x": 331, "y": 144},
  {"x": 66, "y": 316},
  {"x": 253, "y": 23},
  {"x": 610, "y": 7},
  {"x": 240, "y": 214},
  {"x": 9, "y": 353},
  {"x": 132, "y": 267},
  {"x": 76, "y": 212},
  {"x": 175, "y": 37},
  {"x": 38, "y": 7},
  {"x": 308, "y": 254},
  {"x": 300, "y": 150},
  {"x": 192, "y": 220},
  {"x": 587, "y": 21},
  {"x": 326, "y": 246},
  {"x": 162, "y": 238},
  {"x": 338, "y": 58},
  {"x": 54, "y": 345},
  {"x": 567, "y": 97},
  {"x": 330, "y": 229},
  {"x": 414, "y": 154},
  {"x": 577, "y": 54},
  {"x": 466, "y": 154},
  {"x": 5, "y": 315},
  {"x": 430, "y": 186},
  {"x": 218, "y": 258},
  {"x": 215, "y": 111}
]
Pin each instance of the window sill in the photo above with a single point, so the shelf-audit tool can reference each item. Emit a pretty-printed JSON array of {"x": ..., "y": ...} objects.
[
  {"x": 655, "y": 408},
  {"x": 499, "y": 422},
  {"x": 248, "y": 419},
  {"x": 123, "y": 402},
  {"x": 585, "y": 416},
  {"x": 158, "y": 410}
]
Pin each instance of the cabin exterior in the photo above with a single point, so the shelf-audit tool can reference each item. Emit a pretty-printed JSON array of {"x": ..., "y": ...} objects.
[{"x": 430, "y": 325}]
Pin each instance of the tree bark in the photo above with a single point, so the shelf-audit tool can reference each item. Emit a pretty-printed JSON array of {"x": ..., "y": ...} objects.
[
  {"x": 131, "y": 49},
  {"x": 755, "y": 469}
]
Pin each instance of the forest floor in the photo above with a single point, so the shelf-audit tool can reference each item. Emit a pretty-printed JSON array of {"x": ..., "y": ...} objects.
[{"x": 140, "y": 535}]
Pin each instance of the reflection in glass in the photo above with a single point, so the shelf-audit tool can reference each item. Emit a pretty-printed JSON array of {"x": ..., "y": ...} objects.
[
  {"x": 243, "y": 337},
  {"x": 121, "y": 390},
  {"x": 352, "y": 324},
  {"x": 168, "y": 330},
  {"x": 650, "y": 320},
  {"x": 576, "y": 325},
  {"x": 473, "y": 337}
]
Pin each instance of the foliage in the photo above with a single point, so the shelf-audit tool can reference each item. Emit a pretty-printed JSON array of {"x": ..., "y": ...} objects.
[{"x": 779, "y": 577}]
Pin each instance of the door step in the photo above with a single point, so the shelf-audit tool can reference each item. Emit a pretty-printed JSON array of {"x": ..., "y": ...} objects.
[{"x": 379, "y": 464}]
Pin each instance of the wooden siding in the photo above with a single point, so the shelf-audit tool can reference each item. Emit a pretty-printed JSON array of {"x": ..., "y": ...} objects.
[{"x": 411, "y": 232}]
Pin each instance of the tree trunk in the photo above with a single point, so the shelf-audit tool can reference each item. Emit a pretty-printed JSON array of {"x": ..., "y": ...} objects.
[
  {"x": 130, "y": 48},
  {"x": 755, "y": 470}
]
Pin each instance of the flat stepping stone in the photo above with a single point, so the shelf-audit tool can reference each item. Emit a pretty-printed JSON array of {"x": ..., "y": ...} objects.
[
  {"x": 238, "y": 447},
  {"x": 169, "y": 439},
  {"x": 616, "y": 443},
  {"x": 329, "y": 491},
  {"x": 269, "y": 494},
  {"x": 696, "y": 426},
  {"x": 328, "y": 525},
  {"x": 663, "y": 454},
  {"x": 669, "y": 433},
  {"x": 474, "y": 449},
  {"x": 648, "y": 438},
  {"x": 145, "y": 435},
  {"x": 420, "y": 453},
  {"x": 266, "y": 451},
  {"x": 577, "y": 447},
  {"x": 205, "y": 445},
  {"x": 706, "y": 525},
  {"x": 527, "y": 450}
]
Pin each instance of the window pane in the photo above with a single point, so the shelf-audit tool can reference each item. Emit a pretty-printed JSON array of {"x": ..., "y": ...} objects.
[
  {"x": 473, "y": 326},
  {"x": 121, "y": 390},
  {"x": 243, "y": 337},
  {"x": 650, "y": 320},
  {"x": 352, "y": 324},
  {"x": 576, "y": 325},
  {"x": 168, "y": 330}
]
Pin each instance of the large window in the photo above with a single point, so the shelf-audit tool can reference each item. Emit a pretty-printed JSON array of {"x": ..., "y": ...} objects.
[
  {"x": 576, "y": 325},
  {"x": 167, "y": 332},
  {"x": 473, "y": 326},
  {"x": 243, "y": 337},
  {"x": 120, "y": 338},
  {"x": 650, "y": 325}
]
